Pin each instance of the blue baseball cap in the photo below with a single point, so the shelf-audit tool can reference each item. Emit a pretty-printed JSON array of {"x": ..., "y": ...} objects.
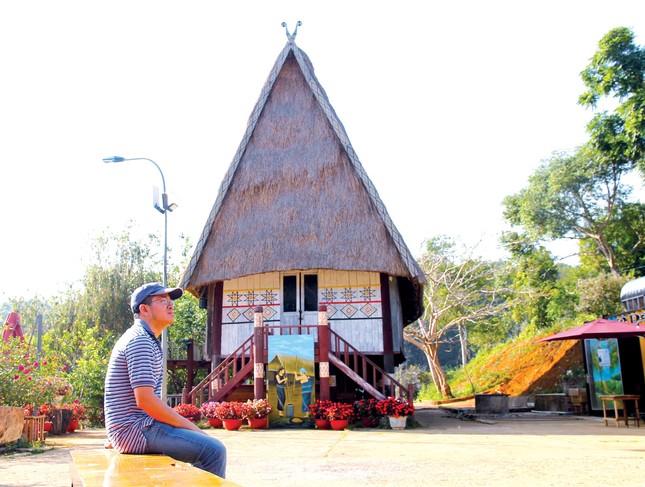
[{"x": 152, "y": 289}]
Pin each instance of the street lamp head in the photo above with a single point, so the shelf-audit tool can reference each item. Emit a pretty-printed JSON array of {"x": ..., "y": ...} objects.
[{"x": 113, "y": 159}]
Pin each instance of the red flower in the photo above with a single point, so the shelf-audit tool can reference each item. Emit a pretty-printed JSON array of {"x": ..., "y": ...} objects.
[
  {"x": 189, "y": 411},
  {"x": 339, "y": 410},
  {"x": 394, "y": 406}
]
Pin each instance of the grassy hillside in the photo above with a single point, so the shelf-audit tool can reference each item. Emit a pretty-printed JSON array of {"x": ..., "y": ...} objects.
[{"x": 518, "y": 367}]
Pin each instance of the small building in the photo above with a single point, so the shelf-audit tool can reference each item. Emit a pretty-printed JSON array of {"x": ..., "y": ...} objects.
[{"x": 297, "y": 226}]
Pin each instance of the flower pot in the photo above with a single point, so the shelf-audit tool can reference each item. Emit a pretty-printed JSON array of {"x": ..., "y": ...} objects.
[
  {"x": 48, "y": 426},
  {"x": 257, "y": 423},
  {"x": 60, "y": 422},
  {"x": 215, "y": 423},
  {"x": 322, "y": 424},
  {"x": 369, "y": 422},
  {"x": 339, "y": 424},
  {"x": 398, "y": 423},
  {"x": 232, "y": 424},
  {"x": 73, "y": 424}
]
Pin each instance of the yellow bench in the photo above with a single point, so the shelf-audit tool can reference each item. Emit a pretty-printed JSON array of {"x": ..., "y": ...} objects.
[{"x": 109, "y": 468}]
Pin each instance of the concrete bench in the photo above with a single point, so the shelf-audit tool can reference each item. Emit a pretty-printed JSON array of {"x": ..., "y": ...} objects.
[{"x": 109, "y": 468}]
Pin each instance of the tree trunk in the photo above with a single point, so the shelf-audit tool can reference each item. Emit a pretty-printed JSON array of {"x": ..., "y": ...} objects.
[
  {"x": 437, "y": 372},
  {"x": 463, "y": 342}
]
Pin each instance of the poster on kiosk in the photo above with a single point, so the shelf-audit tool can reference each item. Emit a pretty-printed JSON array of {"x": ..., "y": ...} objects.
[{"x": 603, "y": 364}]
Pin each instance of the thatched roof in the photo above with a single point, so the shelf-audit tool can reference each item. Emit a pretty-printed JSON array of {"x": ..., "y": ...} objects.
[{"x": 296, "y": 196}]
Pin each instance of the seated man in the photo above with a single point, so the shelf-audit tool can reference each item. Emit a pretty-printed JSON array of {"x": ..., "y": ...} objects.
[{"x": 136, "y": 419}]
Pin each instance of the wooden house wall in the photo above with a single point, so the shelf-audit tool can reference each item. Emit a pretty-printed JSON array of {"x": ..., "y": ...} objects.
[{"x": 353, "y": 301}]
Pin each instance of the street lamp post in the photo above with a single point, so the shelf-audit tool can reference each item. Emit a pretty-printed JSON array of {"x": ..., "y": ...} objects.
[{"x": 164, "y": 209}]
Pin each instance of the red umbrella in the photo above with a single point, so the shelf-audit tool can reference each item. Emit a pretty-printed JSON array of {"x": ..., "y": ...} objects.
[
  {"x": 600, "y": 329},
  {"x": 12, "y": 327}
]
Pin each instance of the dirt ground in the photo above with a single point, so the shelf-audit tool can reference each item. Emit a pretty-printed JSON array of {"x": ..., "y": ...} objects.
[{"x": 538, "y": 449}]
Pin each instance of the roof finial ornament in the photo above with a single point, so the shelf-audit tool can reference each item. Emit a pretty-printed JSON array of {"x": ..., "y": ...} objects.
[{"x": 291, "y": 37}]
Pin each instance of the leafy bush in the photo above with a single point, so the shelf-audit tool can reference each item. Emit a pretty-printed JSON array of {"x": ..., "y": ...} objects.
[{"x": 25, "y": 380}]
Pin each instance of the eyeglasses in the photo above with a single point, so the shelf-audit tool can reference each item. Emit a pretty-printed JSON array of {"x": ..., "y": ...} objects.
[{"x": 164, "y": 301}]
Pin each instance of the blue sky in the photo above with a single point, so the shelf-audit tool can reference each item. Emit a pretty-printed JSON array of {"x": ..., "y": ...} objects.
[{"x": 449, "y": 105}]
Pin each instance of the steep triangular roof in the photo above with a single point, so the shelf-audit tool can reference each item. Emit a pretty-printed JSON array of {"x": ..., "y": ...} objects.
[{"x": 296, "y": 195}]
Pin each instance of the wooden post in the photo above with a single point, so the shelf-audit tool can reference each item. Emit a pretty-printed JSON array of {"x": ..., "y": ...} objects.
[
  {"x": 324, "y": 345},
  {"x": 190, "y": 366},
  {"x": 258, "y": 354},
  {"x": 388, "y": 339}
]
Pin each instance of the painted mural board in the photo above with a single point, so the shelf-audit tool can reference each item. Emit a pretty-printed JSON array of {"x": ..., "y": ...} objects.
[
  {"x": 291, "y": 379},
  {"x": 603, "y": 364}
]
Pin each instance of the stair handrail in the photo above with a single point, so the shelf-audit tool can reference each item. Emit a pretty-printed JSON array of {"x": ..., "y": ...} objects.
[
  {"x": 389, "y": 385},
  {"x": 244, "y": 353}
]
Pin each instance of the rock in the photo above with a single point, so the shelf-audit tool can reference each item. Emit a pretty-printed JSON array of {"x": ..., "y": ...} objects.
[{"x": 11, "y": 421}]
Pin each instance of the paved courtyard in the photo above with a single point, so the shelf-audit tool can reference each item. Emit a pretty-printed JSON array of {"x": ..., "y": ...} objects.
[{"x": 523, "y": 449}]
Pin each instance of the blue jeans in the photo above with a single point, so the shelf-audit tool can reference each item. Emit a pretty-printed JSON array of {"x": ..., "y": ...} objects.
[{"x": 198, "y": 449}]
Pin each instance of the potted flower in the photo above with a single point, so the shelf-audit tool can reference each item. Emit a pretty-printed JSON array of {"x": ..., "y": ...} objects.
[
  {"x": 256, "y": 413},
  {"x": 396, "y": 409},
  {"x": 49, "y": 412},
  {"x": 78, "y": 413},
  {"x": 232, "y": 414},
  {"x": 208, "y": 410},
  {"x": 58, "y": 388},
  {"x": 188, "y": 411},
  {"x": 318, "y": 411},
  {"x": 339, "y": 414},
  {"x": 365, "y": 411}
]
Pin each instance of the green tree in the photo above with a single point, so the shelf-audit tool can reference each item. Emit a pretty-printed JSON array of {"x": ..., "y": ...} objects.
[
  {"x": 540, "y": 295},
  {"x": 617, "y": 70},
  {"x": 459, "y": 295},
  {"x": 600, "y": 295},
  {"x": 581, "y": 195},
  {"x": 120, "y": 264}
]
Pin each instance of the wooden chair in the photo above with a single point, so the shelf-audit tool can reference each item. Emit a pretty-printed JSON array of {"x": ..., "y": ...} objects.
[{"x": 578, "y": 400}]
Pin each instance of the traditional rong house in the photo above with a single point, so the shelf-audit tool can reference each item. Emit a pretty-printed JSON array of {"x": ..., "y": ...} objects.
[{"x": 299, "y": 242}]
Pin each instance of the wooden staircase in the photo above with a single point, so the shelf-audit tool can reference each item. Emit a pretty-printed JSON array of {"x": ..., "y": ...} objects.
[
  {"x": 228, "y": 375},
  {"x": 238, "y": 368},
  {"x": 364, "y": 372}
]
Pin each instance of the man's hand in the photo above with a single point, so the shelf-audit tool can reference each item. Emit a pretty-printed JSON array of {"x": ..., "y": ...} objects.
[{"x": 156, "y": 408}]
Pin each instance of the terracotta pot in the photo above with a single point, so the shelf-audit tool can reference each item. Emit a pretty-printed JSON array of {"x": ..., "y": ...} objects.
[
  {"x": 215, "y": 423},
  {"x": 257, "y": 423},
  {"x": 72, "y": 426},
  {"x": 48, "y": 426},
  {"x": 232, "y": 424},
  {"x": 322, "y": 424},
  {"x": 339, "y": 424}
]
